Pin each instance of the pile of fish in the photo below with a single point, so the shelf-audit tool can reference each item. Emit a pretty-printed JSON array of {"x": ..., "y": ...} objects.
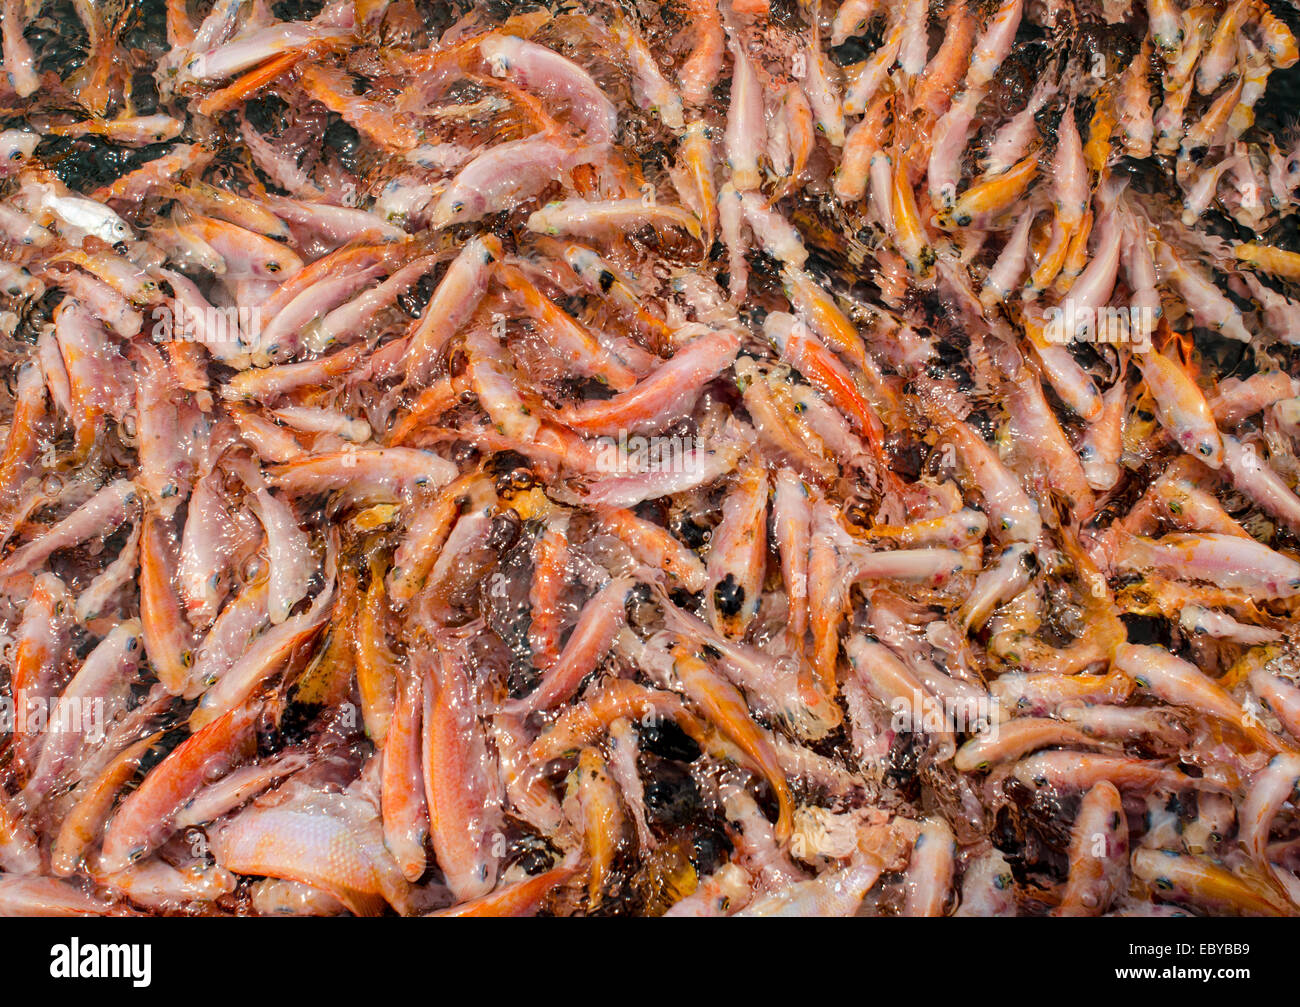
[{"x": 706, "y": 458}]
